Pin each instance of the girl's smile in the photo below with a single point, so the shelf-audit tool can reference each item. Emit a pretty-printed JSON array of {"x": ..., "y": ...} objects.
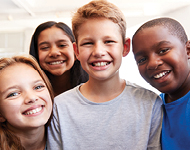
[{"x": 26, "y": 97}]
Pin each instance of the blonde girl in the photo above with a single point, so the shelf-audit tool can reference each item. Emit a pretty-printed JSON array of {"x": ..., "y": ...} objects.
[{"x": 26, "y": 99}]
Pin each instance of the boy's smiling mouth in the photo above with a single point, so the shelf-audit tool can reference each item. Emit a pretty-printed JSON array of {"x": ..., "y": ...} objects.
[
  {"x": 162, "y": 74},
  {"x": 33, "y": 111},
  {"x": 100, "y": 64}
]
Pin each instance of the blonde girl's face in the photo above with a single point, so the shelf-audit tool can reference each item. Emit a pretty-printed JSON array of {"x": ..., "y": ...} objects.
[{"x": 25, "y": 101}]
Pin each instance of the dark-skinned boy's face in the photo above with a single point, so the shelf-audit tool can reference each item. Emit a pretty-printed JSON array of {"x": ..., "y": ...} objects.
[{"x": 162, "y": 59}]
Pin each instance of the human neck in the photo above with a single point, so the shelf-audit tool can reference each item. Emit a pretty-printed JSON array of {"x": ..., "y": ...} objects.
[
  {"x": 102, "y": 91},
  {"x": 31, "y": 139},
  {"x": 34, "y": 140},
  {"x": 60, "y": 83},
  {"x": 176, "y": 95},
  {"x": 180, "y": 92}
]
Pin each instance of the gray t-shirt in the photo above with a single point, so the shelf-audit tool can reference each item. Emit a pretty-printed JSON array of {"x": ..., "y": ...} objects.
[{"x": 131, "y": 121}]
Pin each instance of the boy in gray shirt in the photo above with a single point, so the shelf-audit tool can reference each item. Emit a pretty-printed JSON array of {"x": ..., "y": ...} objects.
[{"x": 106, "y": 112}]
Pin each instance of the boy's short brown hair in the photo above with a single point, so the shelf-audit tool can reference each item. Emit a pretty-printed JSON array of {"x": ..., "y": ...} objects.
[{"x": 99, "y": 9}]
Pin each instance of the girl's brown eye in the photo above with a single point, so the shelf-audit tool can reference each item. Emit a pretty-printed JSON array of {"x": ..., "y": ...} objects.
[{"x": 44, "y": 48}]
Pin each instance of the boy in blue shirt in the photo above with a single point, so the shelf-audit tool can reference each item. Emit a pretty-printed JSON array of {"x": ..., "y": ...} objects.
[
  {"x": 106, "y": 112},
  {"x": 162, "y": 51}
]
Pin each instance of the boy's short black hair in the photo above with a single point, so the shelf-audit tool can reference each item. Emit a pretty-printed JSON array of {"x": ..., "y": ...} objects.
[{"x": 173, "y": 26}]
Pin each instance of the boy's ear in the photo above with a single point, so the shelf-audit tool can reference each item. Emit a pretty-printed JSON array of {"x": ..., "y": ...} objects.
[
  {"x": 188, "y": 49},
  {"x": 76, "y": 50},
  {"x": 2, "y": 119},
  {"x": 126, "y": 47}
]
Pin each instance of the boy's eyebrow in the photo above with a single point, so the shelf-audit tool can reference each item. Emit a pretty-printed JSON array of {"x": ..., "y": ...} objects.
[
  {"x": 152, "y": 47},
  {"x": 160, "y": 43},
  {"x": 89, "y": 37},
  {"x": 138, "y": 54}
]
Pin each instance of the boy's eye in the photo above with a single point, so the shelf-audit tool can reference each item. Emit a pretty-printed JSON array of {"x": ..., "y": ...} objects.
[
  {"x": 87, "y": 43},
  {"x": 141, "y": 61},
  {"x": 12, "y": 94},
  {"x": 62, "y": 45},
  {"x": 110, "y": 41},
  {"x": 164, "y": 50}
]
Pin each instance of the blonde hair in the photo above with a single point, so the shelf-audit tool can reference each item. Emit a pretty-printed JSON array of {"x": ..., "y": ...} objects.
[
  {"x": 98, "y": 9},
  {"x": 8, "y": 140}
]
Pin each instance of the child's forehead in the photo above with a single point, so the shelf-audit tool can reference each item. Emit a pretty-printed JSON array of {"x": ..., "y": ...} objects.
[
  {"x": 156, "y": 31},
  {"x": 97, "y": 20},
  {"x": 100, "y": 23},
  {"x": 154, "y": 36},
  {"x": 18, "y": 66}
]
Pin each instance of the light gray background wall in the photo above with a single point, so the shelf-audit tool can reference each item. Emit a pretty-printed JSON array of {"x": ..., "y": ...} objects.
[{"x": 17, "y": 40}]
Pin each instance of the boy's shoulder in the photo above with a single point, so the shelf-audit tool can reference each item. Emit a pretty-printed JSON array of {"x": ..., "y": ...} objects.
[
  {"x": 136, "y": 86},
  {"x": 141, "y": 95},
  {"x": 133, "y": 84},
  {"x": 139, "y": 90}
]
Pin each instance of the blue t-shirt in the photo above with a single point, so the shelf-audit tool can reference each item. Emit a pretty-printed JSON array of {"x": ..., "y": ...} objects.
[{"x": 176, "y": 124}]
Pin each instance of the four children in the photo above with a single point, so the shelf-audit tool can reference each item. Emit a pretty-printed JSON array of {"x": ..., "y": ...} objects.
[{"x": 106, "y": 112}]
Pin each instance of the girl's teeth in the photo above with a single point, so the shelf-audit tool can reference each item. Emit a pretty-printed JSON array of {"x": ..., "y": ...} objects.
[
  {"x": 160, "y": 74},
  {"x": 56, "y": 62},
  {"x": 33, "y": 111},
  {"x": 99, "y": 64}
]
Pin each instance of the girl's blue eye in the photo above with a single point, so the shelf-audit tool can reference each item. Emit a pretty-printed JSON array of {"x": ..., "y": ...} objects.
[
  {"x": 12, "y": 94},
  {"x": 39, "y": 87}
]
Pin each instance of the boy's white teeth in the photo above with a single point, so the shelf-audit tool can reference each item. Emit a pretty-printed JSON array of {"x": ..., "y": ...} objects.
[
  {"x": 161, "y": 74},
  {"x": 99, "y": 64},
  {"x": 56, "y": 62},
  {"x": 33, "y": 111}
]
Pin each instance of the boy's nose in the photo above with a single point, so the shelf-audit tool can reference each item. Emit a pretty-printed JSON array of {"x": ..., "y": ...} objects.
[
  {"x": 98, "y": 50},
  {"x": 154, "y": 63},
  {"x": 54, "y": 52}
]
